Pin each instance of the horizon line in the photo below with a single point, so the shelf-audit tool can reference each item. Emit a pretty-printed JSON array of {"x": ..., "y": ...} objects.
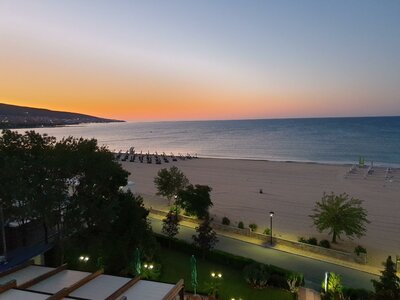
[{"x": 261, "y": 119}]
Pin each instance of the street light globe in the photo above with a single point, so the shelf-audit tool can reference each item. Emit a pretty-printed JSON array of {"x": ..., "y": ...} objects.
[
  {"x": 212, "y": 274},
  {"x": 219, "y": 275},
  {"x": 271, "y": 214},
  {"x": 86, "y": 258},
  {"x": 145, "y": 265},
  {"x": 81, "y": 258},
  {"x": 151, "y": 267}
]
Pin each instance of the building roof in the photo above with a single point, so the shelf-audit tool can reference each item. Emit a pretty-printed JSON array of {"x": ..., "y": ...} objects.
[
  {"x": 58, "y": 281},
  {"x": 14, "y": 294},
  {"x": 148, "y": 290},
  {"x": 37, "y": 282},
  {"x": 26, "y": 274},
  {"x": 100, "y": 287}
]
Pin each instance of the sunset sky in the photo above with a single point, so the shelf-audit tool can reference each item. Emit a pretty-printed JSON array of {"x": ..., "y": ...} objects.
[{"x": 185, "y": 60}]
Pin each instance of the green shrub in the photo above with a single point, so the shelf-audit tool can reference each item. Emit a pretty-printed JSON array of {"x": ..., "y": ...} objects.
[
  {"x": 267, "y": 231},
  {"x": 226, "y": 221},
  {"x": 294, "y": 283},
  {"x": 237, "y": 262},
  {"x": 257, "y": 275},
  {"x": 312, "y": 241},
  {"x": 253, "y": 227},
  {"x": 278, "y": 281},
  {"x": 324, "y": 243},
  {"x": 274, "y": 270},
  {"x": 228, "y": 259},
  {"x": 212, "y": 288},
  {"x": 177, "y": 244},
  {"x": 359, "y": 249},
  {"x": 241, "y": 225},
  {"x": 280, "y": 276},
  {"x": 302, "y": 240},
  {"x": 176, "y": 209},
  {"x": 153, "y": 274}
]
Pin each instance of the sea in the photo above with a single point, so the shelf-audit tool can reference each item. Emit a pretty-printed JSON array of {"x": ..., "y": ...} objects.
[{"x": 319, "y": 140}]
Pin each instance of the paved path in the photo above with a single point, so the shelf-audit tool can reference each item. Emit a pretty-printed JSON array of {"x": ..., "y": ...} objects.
[{"x": 312, "y": 269}]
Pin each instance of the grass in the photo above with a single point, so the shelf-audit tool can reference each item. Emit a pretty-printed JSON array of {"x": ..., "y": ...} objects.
[{"x": 176, "y": 265}]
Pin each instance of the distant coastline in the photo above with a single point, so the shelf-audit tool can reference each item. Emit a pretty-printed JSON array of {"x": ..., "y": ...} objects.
[
  {"x": 35, "y": 126},
  {"x": 16, "y": 117}
]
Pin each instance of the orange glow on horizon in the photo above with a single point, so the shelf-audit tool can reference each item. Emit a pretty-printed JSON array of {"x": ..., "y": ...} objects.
[
  {"x": 118, "y": 94},
  {"x": 137, "y": 95}
]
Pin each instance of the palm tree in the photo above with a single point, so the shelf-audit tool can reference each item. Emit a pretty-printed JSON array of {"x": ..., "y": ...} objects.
[{"x": 340, "y": 214}]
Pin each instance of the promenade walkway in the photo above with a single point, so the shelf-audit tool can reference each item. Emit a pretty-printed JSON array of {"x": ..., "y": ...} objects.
[{"x": 313, "y": 268}]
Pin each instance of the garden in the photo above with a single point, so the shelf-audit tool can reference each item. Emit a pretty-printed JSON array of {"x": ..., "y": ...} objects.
[{"x": 231, "y": 284}]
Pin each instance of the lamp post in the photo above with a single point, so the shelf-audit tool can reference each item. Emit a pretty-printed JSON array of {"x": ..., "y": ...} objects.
[
  {"x": 215, "y": 283},
  {"x": 84, "y": 259},
  {"x": 271, "y": 214},
  {"x": 176, "y": 206},
  {"x": 326, "y": 281}
]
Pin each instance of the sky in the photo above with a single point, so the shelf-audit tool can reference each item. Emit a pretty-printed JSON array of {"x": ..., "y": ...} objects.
[{"x": 201, "y": 60}]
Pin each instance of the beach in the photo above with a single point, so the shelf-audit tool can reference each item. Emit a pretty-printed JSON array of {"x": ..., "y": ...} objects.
[{"x": 290, "y": 189}]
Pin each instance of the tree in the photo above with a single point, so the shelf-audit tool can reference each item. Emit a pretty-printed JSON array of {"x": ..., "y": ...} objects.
[
  {"x": 388, "y": 286},
  {"x": 206, "y": 237},
  {"x": 12, "y": 187},
  {"x": 97, "y": 190},
  {"x": 129, "y": 230},
  {"x": 170, "y": 225},
  {"x": 195, "y": 200},
  {"x": 73, "y": 186},
  {"x": 340, "y": 215},
  {"x": 92, "y": 205},
  {"x": 44, "y": 184},
  {"x": 28, "y": 162},
  {"x": 170, "y": 182}
]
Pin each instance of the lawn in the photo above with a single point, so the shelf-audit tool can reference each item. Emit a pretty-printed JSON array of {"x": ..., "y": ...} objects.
[{"x": 176, "y": 265}]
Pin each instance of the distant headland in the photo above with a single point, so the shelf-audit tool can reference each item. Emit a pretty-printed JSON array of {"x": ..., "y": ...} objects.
[{"x": 12, "y": 116}]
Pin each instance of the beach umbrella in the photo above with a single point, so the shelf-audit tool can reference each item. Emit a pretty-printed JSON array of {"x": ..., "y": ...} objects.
[
  {"x": 193, "y": 268},
  {"x": 137, "y": 262}
]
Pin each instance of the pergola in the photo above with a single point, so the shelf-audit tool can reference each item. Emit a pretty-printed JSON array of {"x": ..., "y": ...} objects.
[{"x": 29, "y": 281}]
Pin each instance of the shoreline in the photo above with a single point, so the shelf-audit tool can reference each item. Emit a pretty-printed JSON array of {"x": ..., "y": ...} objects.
[
  {"x": 291, "y": 161},
  {"x": 326, "y": 163}
]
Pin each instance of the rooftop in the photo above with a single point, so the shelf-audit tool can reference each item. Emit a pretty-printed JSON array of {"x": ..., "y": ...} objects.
[{"x": 29, "y": 281}]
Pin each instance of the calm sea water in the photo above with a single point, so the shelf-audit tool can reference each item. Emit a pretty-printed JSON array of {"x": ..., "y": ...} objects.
[{"x": 329, "y": 140}]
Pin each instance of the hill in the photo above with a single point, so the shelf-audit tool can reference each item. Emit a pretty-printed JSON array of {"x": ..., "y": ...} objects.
[{"x": 12, "y": 116}]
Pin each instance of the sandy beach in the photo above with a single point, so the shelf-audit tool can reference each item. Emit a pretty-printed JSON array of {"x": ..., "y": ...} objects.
[{"x": 290, "y": 189}]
